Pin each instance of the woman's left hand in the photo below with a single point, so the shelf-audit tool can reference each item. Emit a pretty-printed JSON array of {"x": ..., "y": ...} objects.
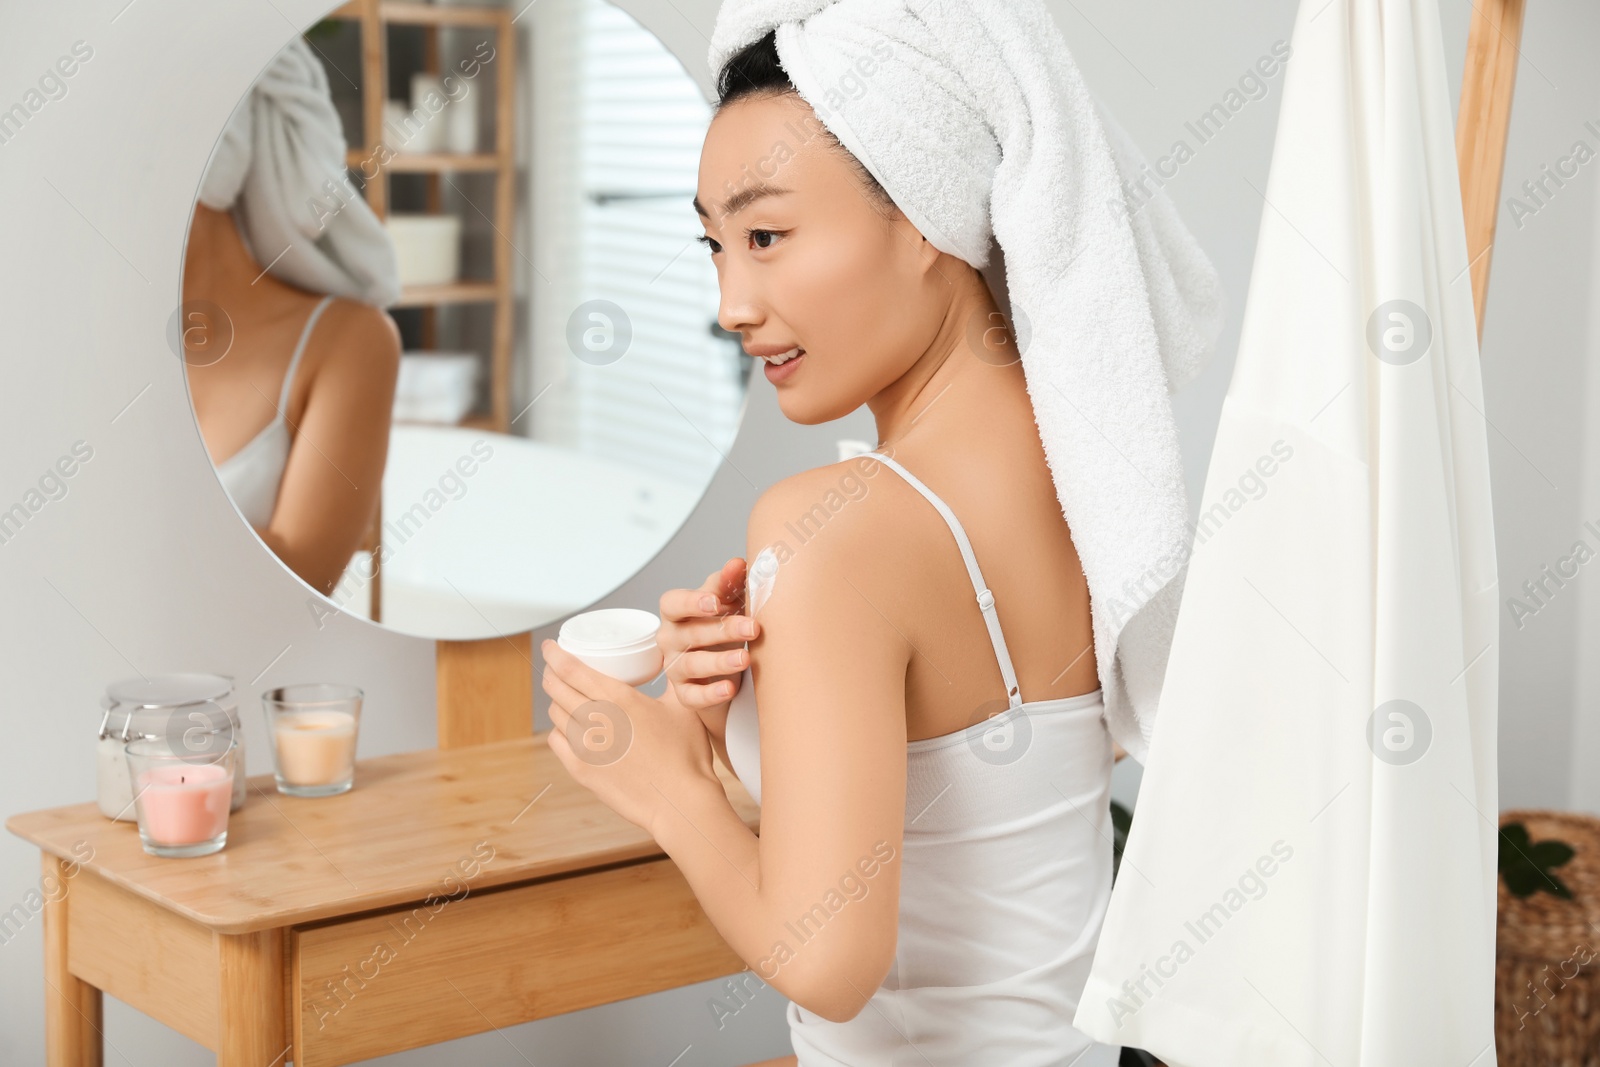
[{"x": 636, "y": 753}]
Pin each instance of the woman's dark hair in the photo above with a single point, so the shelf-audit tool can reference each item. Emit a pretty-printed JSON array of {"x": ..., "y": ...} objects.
[
  {"x": 753, "y": 70},
  {"x": 756, "y": 71}
]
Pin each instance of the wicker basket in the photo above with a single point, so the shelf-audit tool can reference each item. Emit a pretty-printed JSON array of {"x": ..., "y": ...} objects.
[{"x": 1547, "y": 957}]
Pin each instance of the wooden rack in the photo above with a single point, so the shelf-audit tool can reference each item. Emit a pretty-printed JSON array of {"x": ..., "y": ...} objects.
[{"x": 375, "y": 16}]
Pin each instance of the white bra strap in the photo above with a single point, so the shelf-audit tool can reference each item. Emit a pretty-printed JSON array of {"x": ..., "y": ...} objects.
[
  {"x": 985, "y": 598},
  {"x": 299, "y": 349}
]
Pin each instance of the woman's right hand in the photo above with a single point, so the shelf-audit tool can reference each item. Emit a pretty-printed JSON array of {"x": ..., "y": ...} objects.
[{"x": 702, "y": 640}]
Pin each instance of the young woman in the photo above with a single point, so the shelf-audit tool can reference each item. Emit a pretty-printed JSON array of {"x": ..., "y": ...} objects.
[
  {"x": 935, "y": 855},
  {"x": 290, "y": 358},
  {"x": 295, "y": 410}
]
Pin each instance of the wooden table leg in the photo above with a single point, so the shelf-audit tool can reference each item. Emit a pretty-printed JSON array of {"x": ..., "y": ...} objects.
[
  {"x": 72, "y": 1021},
  {"x": 250, "y": 1000}
]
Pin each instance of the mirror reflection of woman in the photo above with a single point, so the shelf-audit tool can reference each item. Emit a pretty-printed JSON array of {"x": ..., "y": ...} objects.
[
  {"x": 290, "y": 358},
  {"x": 927, "y": 885}
]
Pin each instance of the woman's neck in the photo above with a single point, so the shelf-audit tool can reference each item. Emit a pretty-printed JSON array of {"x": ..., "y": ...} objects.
[
  {"x": 970, "y": 357},
  {"x": 217, "y": 264}
]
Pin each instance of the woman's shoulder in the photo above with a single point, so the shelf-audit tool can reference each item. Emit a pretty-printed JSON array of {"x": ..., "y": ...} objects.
[
  {"x": 352, "y": 337},
  {"x": 352, "y": 354},
  {"x": 835, "y": 515},
  {"x": 352, "y": 324},
  {"x": 844, "y": 564}
]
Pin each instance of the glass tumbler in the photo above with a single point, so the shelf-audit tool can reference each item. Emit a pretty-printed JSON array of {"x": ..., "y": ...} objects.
[{"x": 313, "y": 731}]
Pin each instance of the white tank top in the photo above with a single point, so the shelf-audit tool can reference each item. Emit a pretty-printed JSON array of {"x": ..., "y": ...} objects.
[
  {"x": 1005, "y": 876},
  {"x": 253, "y": 474}
]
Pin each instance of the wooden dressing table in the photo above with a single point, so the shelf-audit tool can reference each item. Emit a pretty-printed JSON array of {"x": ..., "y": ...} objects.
[{"x": 450, "y": 892}]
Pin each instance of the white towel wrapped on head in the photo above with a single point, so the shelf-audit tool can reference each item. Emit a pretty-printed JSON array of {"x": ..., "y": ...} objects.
[
  {"x": 280, "y": 166},
  {"x": 973, "y": 117}
]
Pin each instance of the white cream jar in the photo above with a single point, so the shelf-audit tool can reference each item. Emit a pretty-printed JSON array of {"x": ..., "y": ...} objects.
[
  {"x": 620, "y": 642},
  {"x": 191, "y": 712}
]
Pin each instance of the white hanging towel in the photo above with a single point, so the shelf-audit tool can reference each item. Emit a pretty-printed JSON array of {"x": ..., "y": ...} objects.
[{"x": 1310, "y": 876}]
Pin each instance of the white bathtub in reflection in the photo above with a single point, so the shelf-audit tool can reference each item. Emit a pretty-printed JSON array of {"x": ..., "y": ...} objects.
[{"x": 533, "y": 533}]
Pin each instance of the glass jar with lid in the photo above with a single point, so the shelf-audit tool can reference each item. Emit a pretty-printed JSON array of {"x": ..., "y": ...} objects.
[{"x": 191, "y": 713}]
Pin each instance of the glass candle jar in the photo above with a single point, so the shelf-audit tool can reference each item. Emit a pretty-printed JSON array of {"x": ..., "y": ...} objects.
[
  {"x": 191, "y": 714},
  {"x": 182, "y": 798},
  {"x": 313, "y": 728}
]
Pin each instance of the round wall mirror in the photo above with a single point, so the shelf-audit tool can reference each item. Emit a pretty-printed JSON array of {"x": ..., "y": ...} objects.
[{"x": 449, "y": 341}]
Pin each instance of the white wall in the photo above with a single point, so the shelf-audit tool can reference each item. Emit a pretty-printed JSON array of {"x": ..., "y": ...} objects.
[
  {"x": 1543, "y": 390},
  {"x": 1585, "y": 765},
  {"x": 145, "y": 565}
]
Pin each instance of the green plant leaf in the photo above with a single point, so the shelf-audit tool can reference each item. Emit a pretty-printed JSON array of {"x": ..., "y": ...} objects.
[
  {"x": 1522, "y": 879},
  {"x": 1525, "y": 866},
  {"x": 1551, "y": 853},
  {"x": 1557, "y": 887},
  {"x": 1121, "y": 817},
  {"x": 1121, "y": 821},
  {"x": 323, "y": 30},
  {"x": 1516, "y": 835}
]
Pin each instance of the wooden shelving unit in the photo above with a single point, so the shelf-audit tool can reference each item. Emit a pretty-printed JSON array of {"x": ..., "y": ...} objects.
[
  {"x": 374, "y": 18},
  {"x": 468, "y": 292},
  {"x": 432, "y": 162}
]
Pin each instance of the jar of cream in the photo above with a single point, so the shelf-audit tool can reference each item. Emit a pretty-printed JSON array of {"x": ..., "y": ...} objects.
[
  {"x": 620, "y": 642},
  {"x": 190, "y": 713}
]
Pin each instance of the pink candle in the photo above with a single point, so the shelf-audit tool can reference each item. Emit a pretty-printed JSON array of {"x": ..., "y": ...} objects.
[{"x": 184, "y": 805}]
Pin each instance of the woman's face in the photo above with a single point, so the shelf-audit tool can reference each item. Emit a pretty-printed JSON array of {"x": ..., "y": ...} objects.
[{"x": 807, "y": 258}]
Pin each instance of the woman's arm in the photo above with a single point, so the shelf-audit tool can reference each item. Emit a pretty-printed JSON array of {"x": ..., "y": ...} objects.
[
  {"x": 702, "y": 637},
  {"x": 334, "y": 478},
  {"x": 813, "y": 903}
]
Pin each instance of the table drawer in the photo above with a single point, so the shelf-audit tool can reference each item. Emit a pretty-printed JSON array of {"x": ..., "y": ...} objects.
[{"x": 414, "y": 976}]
